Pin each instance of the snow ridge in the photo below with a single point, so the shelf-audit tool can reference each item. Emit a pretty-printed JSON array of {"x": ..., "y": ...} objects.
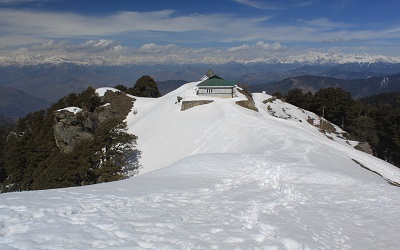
[{"x": 223, "y": 126}]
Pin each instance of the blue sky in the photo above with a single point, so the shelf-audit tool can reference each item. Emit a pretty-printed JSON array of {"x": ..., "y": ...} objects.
[{"x": 164, "y": 30}]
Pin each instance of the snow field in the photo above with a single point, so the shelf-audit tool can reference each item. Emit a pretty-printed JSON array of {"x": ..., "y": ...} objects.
[
  {"x": 218, "y": 176},
  {"x": 215, "y": 201}
]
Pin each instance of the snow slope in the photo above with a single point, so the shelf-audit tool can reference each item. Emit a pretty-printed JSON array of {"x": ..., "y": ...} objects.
[{"x": 218, "y": 176}]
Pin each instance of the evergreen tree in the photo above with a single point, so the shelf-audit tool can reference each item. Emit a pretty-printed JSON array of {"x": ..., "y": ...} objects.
[
  {"x": 388, "y": 129},
  {"x": 277, "y": 94},
  {"x": 145, "y": 87},
  {"x": 297, "y": 98},
  {"x": 30, "y": 158},
  {"x": 392, "y": 99},
  {"x": 122, "y": 88},
  {"x": 32, "y": 142},
  {"x": 5, "y": 130},
  {"x": 379, "y": 125},
  {"x": 116, "y": 147},
  {"x": 335, "y": 103},
  {"x": 62, "y": 170}
]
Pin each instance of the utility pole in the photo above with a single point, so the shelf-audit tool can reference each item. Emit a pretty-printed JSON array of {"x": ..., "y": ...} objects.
[{"x": 322, "y": 119}]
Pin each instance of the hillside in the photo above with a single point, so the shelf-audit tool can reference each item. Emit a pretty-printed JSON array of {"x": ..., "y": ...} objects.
[
  {"x": 54, "y": 78},
  {"x": 343, "y": 74},
  {"x": 391, "y": 99},
  {"x": 6, "y": 120},
  {"x": 358, "y": 87},
  {"x": 167, "y": 86},
  {"x": 53, "y": 81},
  {"x": 15, "y": 103},
  {"x": 220, "y": 176}
]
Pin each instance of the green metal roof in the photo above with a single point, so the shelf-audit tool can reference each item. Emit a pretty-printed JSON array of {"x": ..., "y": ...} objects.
[{"x": 214, "y": 82}]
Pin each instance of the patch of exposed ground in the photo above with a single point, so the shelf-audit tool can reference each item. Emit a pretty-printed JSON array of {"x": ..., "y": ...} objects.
[
  {"x": 190, "y": 104},
  {"x": 249, "y": 103}
]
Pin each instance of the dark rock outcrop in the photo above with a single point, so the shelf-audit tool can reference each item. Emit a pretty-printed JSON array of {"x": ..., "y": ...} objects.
[
  {"x": 364, "y": 147},
  {"x": 71, "y": 128},
  {"x": 247, "y": 104}
]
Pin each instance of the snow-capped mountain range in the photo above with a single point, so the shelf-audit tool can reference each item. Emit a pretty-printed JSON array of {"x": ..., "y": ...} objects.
[
  {"x": 310, "y": 58},
  {"x": 313, "y": 58},
  {"x": 220, "y": 176}
]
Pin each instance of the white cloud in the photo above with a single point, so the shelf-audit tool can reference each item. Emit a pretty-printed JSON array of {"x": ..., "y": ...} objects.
[
  {"x": 275, "y": 5},
  {"x": 120, "y": 49},
  {"x": 268, "y": 46},
  {"x": 18, "y": 40},
  {"x": 259, "y": 46},
  {"x": 12, "y": 2},
  {"x": 323, "y": 22},
  {"x": 49, "y": 45},
  {"x": 87, "y": 47},
  {"x": 91, "y": 46},
  {"x": 259, "y": 4},
  {"x": 53, "y": 25},
  {"x": 166, "y": 26},
  {"x": 67, "y": 24},
  {"x": 168, "y": 34},
  {"x": 240, "y": 48},
  {"x": 334, "y": 40},
  {"x": 154, "y": 48},
  {"x": 304, "y": 3},
  {"x": 109, "y": 52}
]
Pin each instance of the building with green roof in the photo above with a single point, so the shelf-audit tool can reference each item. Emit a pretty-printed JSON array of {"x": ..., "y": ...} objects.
[{"x": 213, "y": 85}]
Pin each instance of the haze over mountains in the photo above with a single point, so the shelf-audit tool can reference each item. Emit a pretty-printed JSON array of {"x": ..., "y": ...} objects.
[
  {"x": 52, "y": 78},
  {"x": 358, "y": 88},
  {"x": 16, "y": 103}
]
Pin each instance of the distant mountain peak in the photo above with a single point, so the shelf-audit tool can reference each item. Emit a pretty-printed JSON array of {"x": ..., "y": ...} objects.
[
  {"x": 310, "y": 58},
  {"x": 332, "y": 58}
]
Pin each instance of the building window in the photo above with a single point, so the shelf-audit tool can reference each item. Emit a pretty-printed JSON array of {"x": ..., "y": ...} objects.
[{"x": 209, "y": 91}]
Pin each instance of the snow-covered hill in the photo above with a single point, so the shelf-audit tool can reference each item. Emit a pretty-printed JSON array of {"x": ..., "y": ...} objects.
[
  {"x": 167, "y": 134},
  {"x": 219, "y": 176}
]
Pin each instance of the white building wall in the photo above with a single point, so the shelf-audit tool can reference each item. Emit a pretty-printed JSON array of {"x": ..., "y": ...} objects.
[{"x": 216, "y": 91}]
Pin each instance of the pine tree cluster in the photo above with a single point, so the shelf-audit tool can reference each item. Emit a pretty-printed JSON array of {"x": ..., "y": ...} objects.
[
  {"x": 375, "y": 119},
  {"x": 145, "y": 86},
  {"x": 31, "y": 160}
]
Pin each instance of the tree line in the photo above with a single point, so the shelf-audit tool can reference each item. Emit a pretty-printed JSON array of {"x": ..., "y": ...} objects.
[
  {"x": 374, "y": 119},
  {"x": 31, "y": 160}
]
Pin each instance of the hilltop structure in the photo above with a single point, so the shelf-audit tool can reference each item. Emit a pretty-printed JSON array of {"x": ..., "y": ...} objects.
[{"x": 215, "y": 86}]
